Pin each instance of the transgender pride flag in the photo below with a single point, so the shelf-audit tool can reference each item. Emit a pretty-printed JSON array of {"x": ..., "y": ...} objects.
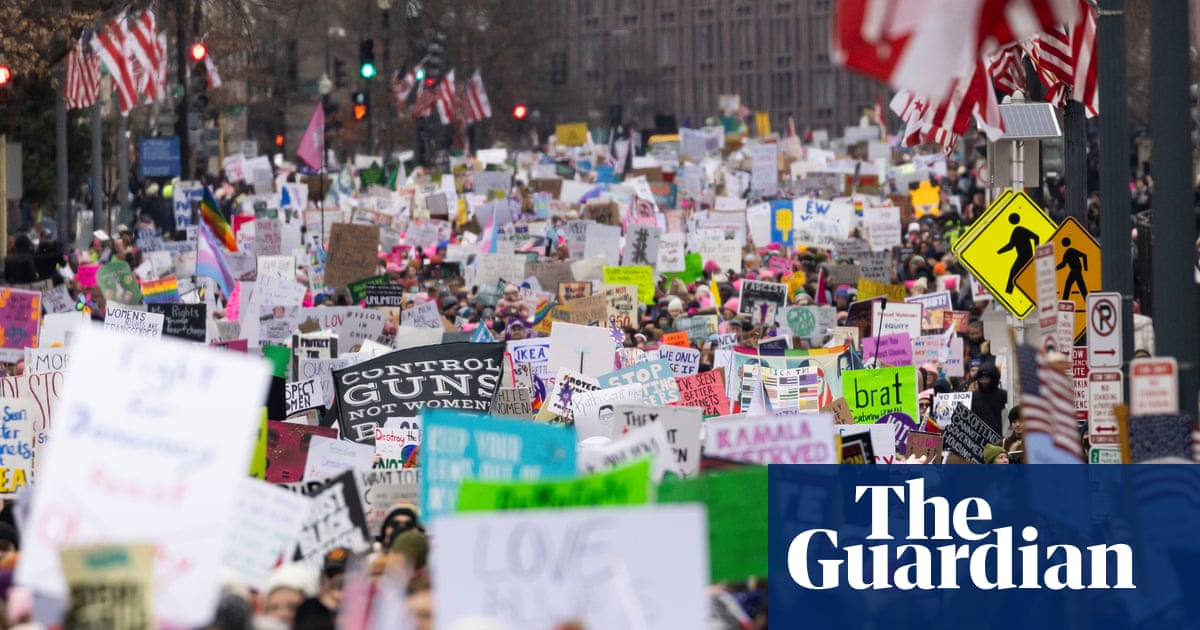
[{"x": 210, "y": 261}]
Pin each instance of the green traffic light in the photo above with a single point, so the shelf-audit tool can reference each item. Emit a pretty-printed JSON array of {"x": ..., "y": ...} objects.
[
  {"x": 367, "y": 71},
  {"x": 420, "y": 74}
]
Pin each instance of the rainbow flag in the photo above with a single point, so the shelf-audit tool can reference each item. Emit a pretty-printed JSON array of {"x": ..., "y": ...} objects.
[
  {"x": 160, "y": 291},
  {"x": 211, "y": 213}
]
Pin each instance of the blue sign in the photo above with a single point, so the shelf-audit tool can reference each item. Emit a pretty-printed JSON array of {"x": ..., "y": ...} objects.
[
  {"x": 1049, "y": 546},
  {"x": 782, "y": 222},
  {"x": 159, "y": 157},
  {"x": 457, "y": 446}
]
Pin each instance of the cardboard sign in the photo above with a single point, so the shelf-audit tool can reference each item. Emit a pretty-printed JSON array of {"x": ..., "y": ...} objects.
[
  {"x": 474, "y": 553},
  {"x": 796, "y": 439},
  {"x": 705, "y": 390},
  {"x": 629, "y": 485},
  {"x": 353, "y": 253},
  {"x": 513, "y": 402},
  {"x": 162, "y": 466},
  {"x": 927, "y": 445},
  {"x": 110, "y": 586},
  {"x": 968, "y": 434},
  {"x": 405, "y": 382},
  {"x": 133, "y": 322},
  {"x": 841, "y": 411},
  {"x": 287, "y": 449},
  {"x": 266, "y": 520},
  {"x": 736, "y": 502},
  {"x": 682, "y": 425},
  {"x": 383, "y": 489},
  {"x": 183, "y": 321},
  {"x": 335, "y": 519},
  {"x": 458, "y": 446},
  {"x": 872, "y": 394},
  {"x": 20, "y": 314}
]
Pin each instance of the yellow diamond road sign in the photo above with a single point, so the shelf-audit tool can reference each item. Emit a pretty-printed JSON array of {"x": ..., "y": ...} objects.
[
  {"x": 999, "y": 244},
  {"x": 1077, "y": 270}
]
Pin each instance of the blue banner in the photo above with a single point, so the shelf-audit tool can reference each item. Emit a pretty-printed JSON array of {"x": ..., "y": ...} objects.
[
  {"x": 159, "y": 157},
  {"x": 991, "y": 546}
]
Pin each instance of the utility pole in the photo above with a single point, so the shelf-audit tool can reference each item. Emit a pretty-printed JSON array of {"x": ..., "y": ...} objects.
[
  {"x": 181, "y": 111},
  {"x": 97, "y": 168},
  {"x": 1174, "y": 217},
  {"x": 1116, "y": 265},
  {"x": 62, "y": 214},
  {"x": 385, "y": 21},
  {"x": 1075, "y": 158}
]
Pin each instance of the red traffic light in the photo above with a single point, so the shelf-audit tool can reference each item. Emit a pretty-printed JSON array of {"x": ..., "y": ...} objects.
[
  {"x": 520, "y": 111},
  {"x": 360, "y": 111},
  {"x": 278, "y": 139},
  {"x": 5, "y": 74},
  {"x": 199, "y": 51},
  {"x": 429, "y": 81}
]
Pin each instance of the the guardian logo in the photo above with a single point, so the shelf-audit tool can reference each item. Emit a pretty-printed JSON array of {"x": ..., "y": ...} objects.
[{"x": 987, "y": 559}]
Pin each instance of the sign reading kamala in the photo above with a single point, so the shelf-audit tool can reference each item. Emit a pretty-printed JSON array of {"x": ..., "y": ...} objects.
[
  {"x": 1045, "y": 545},
  {"x": 402, "y": 383}
]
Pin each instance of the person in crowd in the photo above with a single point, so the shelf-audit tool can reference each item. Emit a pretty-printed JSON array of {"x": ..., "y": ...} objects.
[
  {"x": 320, "y": 612},
  {"x": 19, "y": 265},
  {"x": 993, "y": 454},
  {"x": 1014, "y": 444},
  {"x": 287, "y": 588},
  {"x": 989, "y": 400}
]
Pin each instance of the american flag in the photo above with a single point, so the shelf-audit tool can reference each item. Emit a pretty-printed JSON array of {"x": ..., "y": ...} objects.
[
  {"x": 142, "y": 46},
  {"x": 478, "y": 105},
  {"x": 1065, "y": 58},
  {"x": 83, "y": 75},
  {"x": 110, "y": 45},
  {"x": 942, "y": 123},
  {"x": 403, "y": 84},
  {"x": 1047, "y": 406},
  {"x": 446, "y": 98},
  {"x": 1006, "y": 69}
]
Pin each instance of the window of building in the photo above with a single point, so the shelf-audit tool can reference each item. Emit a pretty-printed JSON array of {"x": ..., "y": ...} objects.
[
  {"x": 589, "y": 7},
  {"x": 819, "y": 38},
  {"x": 743, "y": 42},
  {"x": 781, "y": 36},
  {"x": 822, "y": 88},
  {"x": 627, "y": 7},
  {"x": 667, "y": 44},
  {"x": 702, "y": 38},
  {"x": 820, "y": 5},
  {"x": 781, "y": 90}
]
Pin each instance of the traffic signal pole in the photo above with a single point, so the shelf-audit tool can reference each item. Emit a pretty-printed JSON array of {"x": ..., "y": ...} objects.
[{"x": 181, "y": 118}]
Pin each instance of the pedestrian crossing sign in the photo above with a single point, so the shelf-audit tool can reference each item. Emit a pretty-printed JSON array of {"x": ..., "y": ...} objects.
[
  {"x": 1000, "y": 244},
  {"x": 1077, "y": 270}
]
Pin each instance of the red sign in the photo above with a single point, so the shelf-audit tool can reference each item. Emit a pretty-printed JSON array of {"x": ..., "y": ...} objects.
[
  {"x": 1079, "y": 377},
  {"x": 1153, "y": 387}
]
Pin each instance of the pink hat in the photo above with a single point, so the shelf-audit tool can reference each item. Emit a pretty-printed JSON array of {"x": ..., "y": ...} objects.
[
  {"x": 712, "y": 266},
  {"x": 773, "y": 246},
  {"x": 737, "y": 285},
  {"x": 731, "y": 304},
  {"x": 394, "y": 268}
]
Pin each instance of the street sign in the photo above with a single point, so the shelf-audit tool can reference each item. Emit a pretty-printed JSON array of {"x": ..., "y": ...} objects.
[
  {"x": 1104, "y": 455},
  {"x": 1154, "y": 387},
  {"x": 1079, "y": 382},
  {"x": 159, "y": 157},
  {"x": 1104, "y": 330},
  {"x": 1064, "y": 329},
  {"x": 1047, "y": 292},
  {"x": 1105, "y": 391},
  {"x": 1000, "y": 243},
  {"x": 1077, "y": 270}
]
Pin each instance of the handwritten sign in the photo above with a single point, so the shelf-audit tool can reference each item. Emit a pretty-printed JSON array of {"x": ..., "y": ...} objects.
[
  {"x": 683, "y": 361},
  {"x": 682, "y": 425},
  {"x": 43, "y": 360},
  {"x": 927, "y": 445},
  {"x": 593, "y": 411},
  {"x": 267, "y": 519},
  {"x": 797, "y": 439},
  {"x": 641, "y": 276},
  {"x": 110, "y": 586},
  {"x": 629, "y": 485},
  {"x": 328, "y": 457},
  {"x": 968, "y": 434},
  {"x": 705, "y": 390},
  {"x": 301, "y": 396},
  {"x": 397, "y": 447},
  {"x": 513, "y": 402},
  {"x": 335, "y": 519},
  {"x": 162, "y": 466},
  {"x": 20, "y": 313},
  {"x": 425, "y": 315},
  {"x": 892, "y": 350},
  {"x": 133, "y": 322}
]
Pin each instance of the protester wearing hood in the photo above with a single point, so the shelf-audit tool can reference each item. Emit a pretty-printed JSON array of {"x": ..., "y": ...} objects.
[
  {"x": 989, "y": 401},
  {"x": 19, "y": 267},
  {"x": 320, "y": 612}
]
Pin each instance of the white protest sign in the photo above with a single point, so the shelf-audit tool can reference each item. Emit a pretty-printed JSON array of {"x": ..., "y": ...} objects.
[
  {"x": 266, "y": 521},
  {"x": 133, "y": 322},
  {"x": 883, "y": 439},
  {"x": 392, "y": 444},
  {"x": 162, "y": 466},
  {"x": 361, "y": 325},
  {"x": 17, "y": 438},
  {"x": 328, "y": 457},
  {"x": 58, "y": 300},
  {"x": 683, "y": 361},
  {"x": 682, "y": 425},
  {"x": 43, "y": 360},
  {"x": 795, "y": 439},
  {"x": 322, "y": 371},
  {"x": 300, "y": 396},
  {"x": 646, "y": 441},
  {"x": 896, "y": 317},
  {"x": 475, "y": 553},
  {"x": 882, "y": 227},
  {"x": 593, "y": 411},
  {"x": 425, "y": 315}
]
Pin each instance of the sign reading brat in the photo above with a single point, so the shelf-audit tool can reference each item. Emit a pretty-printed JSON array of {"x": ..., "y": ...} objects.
[{"x": 462, "y": 376}]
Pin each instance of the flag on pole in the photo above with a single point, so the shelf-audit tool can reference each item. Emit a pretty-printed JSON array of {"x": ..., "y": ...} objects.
[
  {"x": 210, "y": 72},
  {"x": 210, "y": 212},
  {"x": 1006, "y": 69},
  {"x": 1047, "y": 410},
  {"x": 403, "y": 84},
  {"x": 478, "y": 105},
  {"x": 83, "y": 74},
  {"x": 142, "y": 48},
  {"x": 445, "y": 98},
  {"x": 210, "y": 261},
  {"x": 312, "y": 145},
  {"x": 1065, "y": 59},
  {"x": 942, "y": 122},
  {"x": 110, "y": 45}
]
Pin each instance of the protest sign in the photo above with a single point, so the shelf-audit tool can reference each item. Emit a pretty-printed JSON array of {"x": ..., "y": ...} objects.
[
  {"x": 881, "y": 227},
  {"x": 791, "y": 390},
  {"x": 352, "y": 253},
  {"x": 266, "y": 520},
  {"x": 335, "y": 519},
  {"x": 568, "y": 291},
  {"x": 20, "y": 314},
  {"x": 513, "y": 402},
  {"x": 683, "y": 361},
  {"x": 705, "y": 390},
  {"x": 968, "y": 434},
  {"x": 944, "y": 404},
  {"x": 383, "y": 489},
  {"x": 671, "y": 252},
  {"x": 796, "y": 439},
  {"x": 359, "y": 326},
  {"x": 287, "y": 449},
  {"x": 585, "y": 349},
  {"x": 698, "y": 328},
  {"x": 640, "y": 276},
  {"x": 133, "y": 322},
  {"x": 755, "y": 292},
  {"x": 458, "y": 446},
  {"x": 927, "y": 445},
  {"x": 736, "y": 502},
  {"x": 17, "y": 440},
  {"x": 867, "y": 289},
  {"x": 677, "y": 338},
  {"x": 118, "y": 283},
  {"x": 682, "y": 425},
  {"x": 628, "y": 485},
  {"x": 642, "y": 243},
  {"x": 43, "y": 360},
  {"x": 474, "y": 553},
  {"x": 275, "y": 265},
  {"x": 391, "y": 295},
  {"x": 301, "y": 396},
  {"x": 893, "y": 318},
  {"x": 656, "y": 378},
  {"x": 162, "y": 466},
  {"x": 402, "y": 383},
  {"x": 873, "y": 393},
  {"x": 592, "y": 411},
  {"x": 183, "y": 321},
  {"x": 57, "y": 300},
  {"x": 328, "y": 457},
  {"x": 424, "y": 315},
  {"x": 110, "y": 586},
  {"x": 398, "y": 447},
  {"x": 893, "y": 350},
  {"x": 567, "y": 385}
]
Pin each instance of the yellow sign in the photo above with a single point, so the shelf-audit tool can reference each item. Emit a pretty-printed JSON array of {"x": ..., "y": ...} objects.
[
  {"x": 1077, "y": 269},
  {"x": 926, "y": 199},
  {"x": 762, "y": 123},
  {"x": 868, "y": 289},
  {"x": 1000, "y": 243},
  {"x": 571, "y": 134},
  {"x": 641, "y": 276}
]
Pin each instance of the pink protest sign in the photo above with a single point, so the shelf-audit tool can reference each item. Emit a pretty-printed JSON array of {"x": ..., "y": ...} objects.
[
  {"x": 20, "y": 313},
  {"x": 86, "y": 275},
  {"x": 893, "y": 350}
]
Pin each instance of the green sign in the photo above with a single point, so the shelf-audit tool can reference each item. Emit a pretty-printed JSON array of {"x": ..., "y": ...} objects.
[
  {"x": 737, "y": 518},
  {"x": 118, "y": 284},
  {"x": 629, "y": 485},
  {"x": 358, "y": 288},
  {"x": 872, "y": 394},
  {"x": 693, "y": 268}
]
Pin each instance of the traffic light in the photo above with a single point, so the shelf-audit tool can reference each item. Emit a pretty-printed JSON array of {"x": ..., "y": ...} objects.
[
  {"x": 199, "y": 83},
  {"x": 360, "y": 105},
  {"x": 199, "y": 51},
  {"x": 520, "y": 111},
  {"x": 5, "y": 75},
  {"x": 339, "y": 73},
  {"x": 366, "y": 58},
  {"x": 434, "y": 52},
  {"x": 279, "y": 140}
]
